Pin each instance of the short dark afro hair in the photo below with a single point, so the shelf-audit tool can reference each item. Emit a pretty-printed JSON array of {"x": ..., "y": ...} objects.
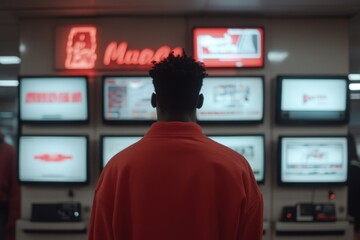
[{"x": 177, "y": 81}]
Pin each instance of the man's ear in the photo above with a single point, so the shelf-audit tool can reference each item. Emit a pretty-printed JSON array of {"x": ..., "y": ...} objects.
[
  {"x": 200, "y": 101},
  {"x": 153, "y": 100}
]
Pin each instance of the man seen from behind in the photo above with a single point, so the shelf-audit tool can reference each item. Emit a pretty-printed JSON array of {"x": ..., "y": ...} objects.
[{"x": 176, "y": 183}]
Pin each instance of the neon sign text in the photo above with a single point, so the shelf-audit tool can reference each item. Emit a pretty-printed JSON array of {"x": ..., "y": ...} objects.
[{"x": 120, "y": 54}]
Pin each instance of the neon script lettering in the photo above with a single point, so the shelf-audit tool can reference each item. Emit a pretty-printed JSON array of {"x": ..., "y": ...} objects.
[
  {"x": 52, "y": 97},
  {"x": 121, "y": 55}
]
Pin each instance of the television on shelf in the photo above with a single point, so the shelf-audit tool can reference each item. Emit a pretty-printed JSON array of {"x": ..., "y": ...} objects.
[
  {"x": 312, "y": 100},
  {"x": 227, "y": 47},
  {"x": 252, "y": 147},
  {"x": 128, "y": 99},
  {"x": 317, "y": 160},
  {"x": 53, "y": 159},
  {"x": 232, "y": 99},
  {"x": 111, "y": 145},
  {"x": 53, "y": 99}
]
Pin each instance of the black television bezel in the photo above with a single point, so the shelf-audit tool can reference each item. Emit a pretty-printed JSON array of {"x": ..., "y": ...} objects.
[
  {"x": 299, "y": 184},
  {"x": 235, "y": 122},
  {"x": 235, "y": 27},
  {"x": 58, "y": 121},
  {"x": 120, "y": 121},
  {"x": 53, "y": 183},
  {"x": 102, "y": 137},
  {"x": 304, "y": 121},
  {"x": 260, "y": 182}
]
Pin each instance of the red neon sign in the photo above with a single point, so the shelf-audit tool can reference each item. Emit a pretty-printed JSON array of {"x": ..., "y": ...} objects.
[
  {"x": 120, "y": 54},
  {"x": 80, "y": 48},
  {"x": 53, "y": 157}
]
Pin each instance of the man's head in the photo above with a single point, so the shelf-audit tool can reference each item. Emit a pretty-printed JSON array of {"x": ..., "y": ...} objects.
[{"x": 177, "y": 81}]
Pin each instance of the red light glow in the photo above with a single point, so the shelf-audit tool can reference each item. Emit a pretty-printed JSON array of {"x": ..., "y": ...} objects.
[
  {"x": 121, "y": 55},
  {"x": 81, "y": 48},
  {"x": 332, "y": 196}
]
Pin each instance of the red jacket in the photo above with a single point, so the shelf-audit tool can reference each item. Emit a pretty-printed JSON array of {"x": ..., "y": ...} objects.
[
  {"x": 9, "y": 187},
  {"x": 177, "y": 184}
]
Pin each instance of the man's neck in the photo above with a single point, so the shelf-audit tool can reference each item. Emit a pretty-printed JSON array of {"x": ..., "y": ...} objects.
[{"x": 176, "y": 118}]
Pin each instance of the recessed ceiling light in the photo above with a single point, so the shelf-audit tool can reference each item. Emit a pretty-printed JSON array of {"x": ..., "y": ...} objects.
[
  {"x": 9, "y": 83},
  {"x": 354, "y": 86},
  {"x": 9, "y": 60},
  {"x": 354, "y": 76}
]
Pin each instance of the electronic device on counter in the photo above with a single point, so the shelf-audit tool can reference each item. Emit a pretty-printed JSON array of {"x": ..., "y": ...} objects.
[
  {"x": 305, "y": 212},
  {"x": 312, "y": 100},
  {"x": 56, "y": 212},
  {"x": 309, "y": 212},
  {"x": 288, "y": 214},
  {"x": 325, "y": 212}
]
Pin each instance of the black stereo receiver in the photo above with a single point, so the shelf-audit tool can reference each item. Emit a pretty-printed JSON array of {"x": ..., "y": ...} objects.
[{"x": 56, "y": 212}]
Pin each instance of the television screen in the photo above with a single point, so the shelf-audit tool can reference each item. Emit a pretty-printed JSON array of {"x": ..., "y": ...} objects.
[
  {"x": 128, "y": 99},
  {"x": 229, "y": 47},
  {"x": 252, "y": 147},
  {"x": 316, "y": 160},
  {"x": 237, "y": 99},
  {"x": 53, "y": 159},
  {"x": 53, "y": 99},
  {"x": 312, "y": 100},
  {"x": 111, "y": 145}
]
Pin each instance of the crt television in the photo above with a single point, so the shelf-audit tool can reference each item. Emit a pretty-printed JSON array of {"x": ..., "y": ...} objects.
[
  {"x": 252, "y": 147},
  {"x": 111, "y": 145},
  {"x": 128, "y": 98},
  {"x": 232, "y": 99},
  {"x": 312, "y": 100},
  {"x": 53, "y": 159},
  {"x": 53, "y": 99},
  {"x": 313, "y": 160},
  {"x": 226, "y": 47}
]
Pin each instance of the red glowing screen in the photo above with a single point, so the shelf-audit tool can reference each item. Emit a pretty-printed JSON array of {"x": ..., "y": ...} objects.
[{"x": 229, "y": 47}]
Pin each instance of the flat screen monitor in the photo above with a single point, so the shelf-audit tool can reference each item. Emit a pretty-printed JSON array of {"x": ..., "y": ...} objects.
[
  {"x": 232, "y": 99},
  {"x": 128, "y": 98},
  {"x": 53, "y": 159},
  {"x": 229, "y": 47},
  {"x": 313, "y": 160},
  {"x": 53, "y": 99},
  {"x": 252, "y": 147},
  {"x": 111, "y": 145},
  {"x": 312, "y": 100}
]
